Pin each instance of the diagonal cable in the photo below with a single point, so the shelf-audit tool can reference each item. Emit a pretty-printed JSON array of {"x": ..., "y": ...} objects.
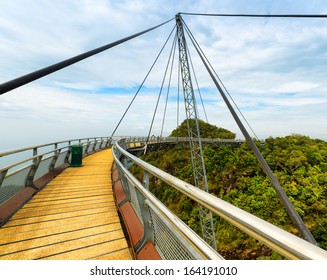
[
  {"x": 168, "y": 90},
  {"x": 217, "y": 76},
  {"x": 159, "y": 96},
  {"x": 137, "y": 92},
  {"x": 178, "y": 95},
  {"x": 23, "y": 80},
  {"x": 294, "y": 215},
  {"x": 197, "y": 84}
]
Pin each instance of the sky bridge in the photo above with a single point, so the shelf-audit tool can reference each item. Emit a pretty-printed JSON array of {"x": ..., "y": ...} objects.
[
  {"x": 101, "y": 211},
  {"x": 77, "y": 199}
]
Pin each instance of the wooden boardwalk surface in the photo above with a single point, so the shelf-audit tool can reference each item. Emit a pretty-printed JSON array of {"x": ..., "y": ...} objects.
[{"x": 74, "y": 217}]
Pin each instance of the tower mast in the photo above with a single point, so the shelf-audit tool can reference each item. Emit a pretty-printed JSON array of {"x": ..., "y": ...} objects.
[{"x": 199, "y": 171}]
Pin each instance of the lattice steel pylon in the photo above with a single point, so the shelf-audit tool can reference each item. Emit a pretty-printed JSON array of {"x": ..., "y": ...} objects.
[{"x": 199, "y": 171}]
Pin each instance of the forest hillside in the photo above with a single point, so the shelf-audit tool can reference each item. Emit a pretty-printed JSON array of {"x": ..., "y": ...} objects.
[
  {"x": 234, "y": 174},
  {"x": 206, "y": 130}
]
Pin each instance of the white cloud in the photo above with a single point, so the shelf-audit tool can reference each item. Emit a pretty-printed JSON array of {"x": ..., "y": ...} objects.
[
  {"x": 295, "y": 86},
  {"x": 274, "y": 68}
]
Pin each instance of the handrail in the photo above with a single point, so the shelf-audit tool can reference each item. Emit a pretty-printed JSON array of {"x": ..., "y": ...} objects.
[
  {"x": 36, "y": 159},
  {"x": 278, "y": 239},
  {"x": 182, "y": 139},
  {"x": 23, "y": 149},
  {"x": 36, "y": 155},
  {"x": 203, "y": 248}
]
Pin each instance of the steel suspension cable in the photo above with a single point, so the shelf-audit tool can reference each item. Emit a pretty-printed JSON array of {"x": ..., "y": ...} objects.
[
  {"x": 146, "y": 76},
  {"x": 178, "y": 94},
  {"x": 294, "y": 215},
  {"x": 257, "y": 15},
  {"x": 246, "y": 15},
  {"x": 15, "y": 83},
  {"x": 168, "y": 90},
  {"x": 159, "y": 96},
  {"x": 217, "y": 76},
  {"x": 197, "y": 84}
]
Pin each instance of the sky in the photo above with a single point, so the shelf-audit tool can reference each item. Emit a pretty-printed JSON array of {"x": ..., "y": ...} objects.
[{"x": 273, "y": 68}]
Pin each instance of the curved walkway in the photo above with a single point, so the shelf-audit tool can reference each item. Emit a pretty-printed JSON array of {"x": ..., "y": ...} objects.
[{"x": 74, "y": 217}]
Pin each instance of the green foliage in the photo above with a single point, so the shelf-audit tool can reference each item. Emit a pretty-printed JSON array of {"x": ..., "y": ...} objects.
[
  {"x": 234, "y": 174},
  {"x": 206, "y": 130}
]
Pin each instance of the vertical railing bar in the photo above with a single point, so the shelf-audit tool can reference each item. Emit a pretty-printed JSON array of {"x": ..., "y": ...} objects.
[
  {"x": 29, "y": 182},
  {"x": 3, "y": 176},
  {"x": 146, "y": 179},
  {"x": 55, "y": 157}
]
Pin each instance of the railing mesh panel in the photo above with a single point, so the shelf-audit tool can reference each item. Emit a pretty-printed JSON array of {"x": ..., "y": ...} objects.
[
  {"x": 168, "y": 245},
  {"x": 43, "y": 168},
  {"x": 13, "y": 184},
  {"x": 61, "y": 158},
  {"x": 7, "y": 192}
]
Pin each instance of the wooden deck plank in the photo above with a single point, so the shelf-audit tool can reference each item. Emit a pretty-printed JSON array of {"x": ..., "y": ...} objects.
[
  {"x": 76, "y": 200},
  {"x": 7, "y": 229},
  {"x": 35, "y": 212},
  {"x": 71, "y": 195},
  {"x": 93, "y": 251},
  {"x": 67, "y": 247},
  {"x": 73, "y": 217},
  {"x": 43, "y": 241},
  {"x": 21, "y": 236},
  {"x": 32, "y": 207},
  {"x": 56, "y": 217},
  {"x": 117, "y": 255}
]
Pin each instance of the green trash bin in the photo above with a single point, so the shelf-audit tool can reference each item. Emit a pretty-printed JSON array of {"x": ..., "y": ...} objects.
[{"x": 77, "y": 155}]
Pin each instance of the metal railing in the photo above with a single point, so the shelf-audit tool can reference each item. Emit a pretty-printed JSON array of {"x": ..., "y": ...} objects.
[
  {"x": 158, "y": 139},
  {"x": 20, "y": 168},
  {"x": 283, "y": 242},
  {"x": 156, "y": 142},
  {"x": 172, "y": 238}
]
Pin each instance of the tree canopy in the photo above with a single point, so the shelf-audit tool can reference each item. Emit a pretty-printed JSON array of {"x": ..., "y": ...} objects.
[
  {"x": 234, "y": 174},
  {"x": 206, "y": 130}
]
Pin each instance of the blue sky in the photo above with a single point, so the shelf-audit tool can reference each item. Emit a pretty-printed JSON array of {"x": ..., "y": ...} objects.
[{"x": 274, "y": 69}]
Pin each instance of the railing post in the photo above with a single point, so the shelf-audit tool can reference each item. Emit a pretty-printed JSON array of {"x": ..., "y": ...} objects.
[
  {"x": 146, "y": 179},
  {"x": 147, "y": 223},
  {"x": 125, "y": 185},
  {"x": 68, "y": 152},
  {"x": 30, "y": 177},
  {"x": 109, "y": 142},
  {"x": 127, "y": 162},
  {"x": 95, "y": 144},
  {"x": 122, "y": 177},
  {"x": 101, "y": 143},
  {"x": 55, "y": 157},
  {"x": 87, "y": 146},
  {"x": 3, "y": 176}
]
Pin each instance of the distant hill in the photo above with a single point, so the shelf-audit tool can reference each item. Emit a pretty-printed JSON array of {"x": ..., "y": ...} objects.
[{"x": 206, "y": 130}]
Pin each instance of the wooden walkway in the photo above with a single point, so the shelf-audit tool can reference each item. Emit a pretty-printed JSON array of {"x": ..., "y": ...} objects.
[{"x": 74, "y": 217}]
